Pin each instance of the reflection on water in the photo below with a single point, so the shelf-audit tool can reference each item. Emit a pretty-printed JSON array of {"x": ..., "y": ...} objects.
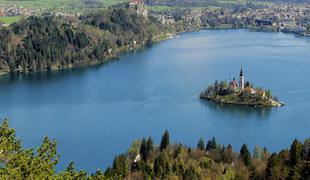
[
  {"x": 44, "y": 76},
  {"x": 237, "y": 111}
]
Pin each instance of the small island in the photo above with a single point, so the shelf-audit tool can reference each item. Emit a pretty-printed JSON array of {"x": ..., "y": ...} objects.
[{"x": 242, "y": 94}]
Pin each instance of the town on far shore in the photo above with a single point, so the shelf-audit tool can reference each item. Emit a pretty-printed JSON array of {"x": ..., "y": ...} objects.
[{"x": 240, "y": 94}]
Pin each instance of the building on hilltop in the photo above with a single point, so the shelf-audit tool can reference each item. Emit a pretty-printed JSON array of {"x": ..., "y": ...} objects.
[
  {"x": 138, "y": 5},
  {"x": 135, "y": 2}
]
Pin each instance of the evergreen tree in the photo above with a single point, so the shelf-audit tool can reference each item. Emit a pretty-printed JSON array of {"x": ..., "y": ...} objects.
[
  {"x": 228, "y": 154},
  {"x": 120, "y": 166},
  {"x": 164, "y": 140},
  {"x": 201, "y": 144},
  {"x": 296, "y": 153},
  {"x": 245, "y": 155},
  {"x": 143, "y": 149},
  {"x": 258, "y": 152},
  {"x": 212, "y": 144},
  {"x": 306, "y": 167},
  {"x": 150, "y": 145},
  {"x": 159, "y": 166}
]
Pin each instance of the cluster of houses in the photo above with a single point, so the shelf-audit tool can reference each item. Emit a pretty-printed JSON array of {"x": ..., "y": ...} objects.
[
  {"x": 15, "y": 11},
  {"x": 138, "y": 5},
  {"x": 278, "y": 16}
]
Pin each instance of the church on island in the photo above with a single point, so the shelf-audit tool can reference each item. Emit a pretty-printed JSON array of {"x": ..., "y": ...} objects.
[
  {"x": 242, "y": 93},
  {"x": 233, "y": 85}
]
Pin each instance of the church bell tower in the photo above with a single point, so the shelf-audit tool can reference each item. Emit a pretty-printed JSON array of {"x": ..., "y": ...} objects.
[{"x": 241, "y": 80}]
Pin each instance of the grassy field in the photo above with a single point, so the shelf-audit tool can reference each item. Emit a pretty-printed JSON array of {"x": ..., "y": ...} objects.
[
  {"x": 9, "y": 19},
  {"x": 57, "y": 5},
  {"x": 160, "y": 8}
]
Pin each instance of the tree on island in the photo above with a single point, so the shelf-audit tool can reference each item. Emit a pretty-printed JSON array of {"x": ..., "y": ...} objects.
[
  {"x": 268, "y": 94},
  {"x": 247, "y": 84},
  {"x": 308, "y": 29}
]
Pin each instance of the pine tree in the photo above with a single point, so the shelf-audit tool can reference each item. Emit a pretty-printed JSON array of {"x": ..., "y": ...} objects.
[
  {"x": 212, "y": 144},
  {"x": 228, "y": 154},
  {"x": 306, "y": 167},
  {"x": 164, "y": 141},
  {"x": 120, "y": 166},
  {"x": 143, "y": 149},
  {"x": 201, "y": 144},
  {"x": 296, "y": 152},
  {"x": 149, "y": 145},
  {"x": 245, "y": 155},
  {"x": 258, "y": 152}
]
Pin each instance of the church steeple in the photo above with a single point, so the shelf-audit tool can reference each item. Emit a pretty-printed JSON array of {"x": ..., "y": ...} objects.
[{"x": 241, "y": 80}]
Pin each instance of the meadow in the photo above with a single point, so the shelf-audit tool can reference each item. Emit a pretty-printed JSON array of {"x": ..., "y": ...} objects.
[
  {"x": 9, "y": 19},
  {"x": 70, "y": 6}
]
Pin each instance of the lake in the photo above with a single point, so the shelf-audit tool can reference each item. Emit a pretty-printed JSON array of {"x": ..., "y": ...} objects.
[{"x": 95, "y": 113}]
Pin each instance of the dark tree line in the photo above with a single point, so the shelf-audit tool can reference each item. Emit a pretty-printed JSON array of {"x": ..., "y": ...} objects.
[
  {"x": 145, "y": 160},
  {"x": 41, "y": 43}
]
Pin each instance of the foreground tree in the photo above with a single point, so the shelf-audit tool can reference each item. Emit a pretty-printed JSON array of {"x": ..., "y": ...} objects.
[
  {"x": 164, "y": 141},
  {"x": 296, "y": 153},
  {"x": 245, "y": 155},
  {"x": 201, "y": 144},
  {"x": 211, "y": 144}
]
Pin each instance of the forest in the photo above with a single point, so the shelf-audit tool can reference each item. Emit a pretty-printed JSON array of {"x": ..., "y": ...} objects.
[
  {"x": 168, "y": 160},
  {"x": 47, "y": 42}
]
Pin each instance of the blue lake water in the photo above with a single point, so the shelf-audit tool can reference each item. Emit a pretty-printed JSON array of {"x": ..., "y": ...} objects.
[{"x": 95, "y": 113}]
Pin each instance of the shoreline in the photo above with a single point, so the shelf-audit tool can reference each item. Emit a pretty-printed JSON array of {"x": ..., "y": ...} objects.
[
  {"x": 271, "y": 103},
  {"x": 124, "y": 50}
]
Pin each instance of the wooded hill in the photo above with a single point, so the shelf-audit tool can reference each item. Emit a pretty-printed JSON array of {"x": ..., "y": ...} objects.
[{"x": 49, "y": 42}]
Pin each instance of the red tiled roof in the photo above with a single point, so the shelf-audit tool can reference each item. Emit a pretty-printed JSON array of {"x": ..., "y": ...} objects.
[{"x": 233, "y": 83}]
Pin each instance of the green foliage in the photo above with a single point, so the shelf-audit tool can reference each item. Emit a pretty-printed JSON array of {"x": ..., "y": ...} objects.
[
  {"x": 8, "y": 143},
  {"x": 228, "y": 154},
  {"x": 211, "y": 144},
  {"x": 176, "y": 163},
  {"x": 149, "y": 145},
  {"x": 258, "y": 153},
  {"x": 120, "y": 166},
  {"x": 161, "y": 166},
  {"x": 296, "y": 155},
  {"x": 143, "y": 149},
  {"x": 164, "y": 140},
  {"x": 9, "y": 19},
  {"x": 43, "y": 43},
  {"x": 245, "y": 155},
  {"x": 191, "y": 174},
  {"x": 201, "y": 144},
  {"x": 268, "y": 94}
]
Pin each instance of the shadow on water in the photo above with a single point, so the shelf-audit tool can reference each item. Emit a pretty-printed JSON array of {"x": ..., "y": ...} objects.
[
  {"x": 45, "y": 76},
  {"x": 237, "y": 111}
]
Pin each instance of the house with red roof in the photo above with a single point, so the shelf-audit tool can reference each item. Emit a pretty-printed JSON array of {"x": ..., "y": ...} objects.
[{"x": 233, "y": 85}]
